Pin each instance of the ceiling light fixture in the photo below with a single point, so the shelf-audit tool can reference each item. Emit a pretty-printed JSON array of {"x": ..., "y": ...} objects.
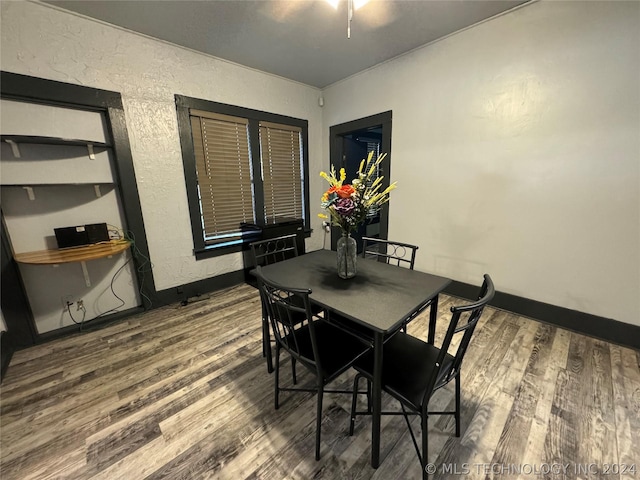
[{"x": 352, "y": 5}]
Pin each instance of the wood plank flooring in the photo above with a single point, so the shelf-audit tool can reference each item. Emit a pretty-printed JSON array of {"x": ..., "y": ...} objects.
[{"x": 182, "y": 392}]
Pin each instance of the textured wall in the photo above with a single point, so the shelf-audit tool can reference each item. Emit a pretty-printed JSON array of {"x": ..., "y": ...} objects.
[
  {"x": 516, "y": 147},
  {"x": 42, "y": 41}
]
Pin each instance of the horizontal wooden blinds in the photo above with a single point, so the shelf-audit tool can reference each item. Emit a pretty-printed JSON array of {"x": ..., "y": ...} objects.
[
  {"x": 223, "y": 166},
  {"x": 281, "y": 170}
]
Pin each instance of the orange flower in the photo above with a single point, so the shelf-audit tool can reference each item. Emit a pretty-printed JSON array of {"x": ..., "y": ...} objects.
[{"x": 345, "y": 191}]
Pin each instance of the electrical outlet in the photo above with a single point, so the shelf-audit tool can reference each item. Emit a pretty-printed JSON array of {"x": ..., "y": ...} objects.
[
  {"x": 327, "y": 226},
  {"x": 66, "y": 300}
]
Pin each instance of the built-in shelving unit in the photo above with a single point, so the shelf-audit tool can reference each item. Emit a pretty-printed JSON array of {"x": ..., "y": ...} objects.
[{"x": 58, "y": 171}]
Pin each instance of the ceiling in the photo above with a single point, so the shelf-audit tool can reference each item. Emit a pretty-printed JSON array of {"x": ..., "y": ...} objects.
[{"x": 302, "y": 40}]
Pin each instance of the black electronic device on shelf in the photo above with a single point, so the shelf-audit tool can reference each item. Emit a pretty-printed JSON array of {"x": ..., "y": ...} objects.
[{"x": 80, "y": 235}]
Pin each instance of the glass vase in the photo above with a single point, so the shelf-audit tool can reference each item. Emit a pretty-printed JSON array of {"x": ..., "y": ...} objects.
[{"x": 346, "y": 253}]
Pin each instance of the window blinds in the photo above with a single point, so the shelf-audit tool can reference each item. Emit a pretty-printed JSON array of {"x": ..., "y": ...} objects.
[
  {"x": 280, "y": 151},
  {"x": 223, "y": 165}
]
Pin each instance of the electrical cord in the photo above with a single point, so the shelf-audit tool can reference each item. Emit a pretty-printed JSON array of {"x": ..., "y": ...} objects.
[
  {"x": 117, "y": 230},
  {"x": 122, "y": 302},
  {"x": 144, "y": 265},
  {"x": 112, "y": 310},
  {"x": 80, "y": 307},
  {"x": 137, "y": 254},
  {"x": 143, "y": 261}
]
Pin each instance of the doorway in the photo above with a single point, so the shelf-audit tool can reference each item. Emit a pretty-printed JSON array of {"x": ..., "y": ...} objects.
[{"x": 350, "y": 143}]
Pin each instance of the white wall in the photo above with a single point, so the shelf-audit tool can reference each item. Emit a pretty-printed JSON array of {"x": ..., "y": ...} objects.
[
  {"x": 42, "y": 41},
  {"x": 516, "y": 148}
]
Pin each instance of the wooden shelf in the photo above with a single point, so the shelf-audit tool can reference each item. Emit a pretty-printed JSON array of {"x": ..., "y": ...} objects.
[{"x": 76, "y": 254}]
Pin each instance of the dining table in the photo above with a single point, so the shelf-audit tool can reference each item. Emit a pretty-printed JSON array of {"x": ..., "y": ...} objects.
[{"x": 380, "y": 298}]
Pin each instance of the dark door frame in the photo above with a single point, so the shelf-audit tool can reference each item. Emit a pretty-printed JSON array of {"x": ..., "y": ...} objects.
[{"x": 336, "y": 156}]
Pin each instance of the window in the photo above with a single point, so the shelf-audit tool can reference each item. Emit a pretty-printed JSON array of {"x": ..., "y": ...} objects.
[
  {"x": 241, "y": 166},
  {"x": 280, "y": 154},
  {"x": 223, "y": 169}
]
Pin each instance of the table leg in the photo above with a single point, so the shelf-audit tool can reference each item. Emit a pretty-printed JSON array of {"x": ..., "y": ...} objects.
[
  {"x": 376, "y": 395},
  {"x": 433, "y": 316}
]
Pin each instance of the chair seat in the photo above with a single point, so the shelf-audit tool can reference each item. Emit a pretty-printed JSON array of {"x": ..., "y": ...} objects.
[
  {"x": 336, "y": 348},
  {"x": 406, "y": 367}
]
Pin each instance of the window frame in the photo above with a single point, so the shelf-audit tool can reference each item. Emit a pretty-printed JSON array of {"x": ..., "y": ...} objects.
[{"x": 183, "y": 106}]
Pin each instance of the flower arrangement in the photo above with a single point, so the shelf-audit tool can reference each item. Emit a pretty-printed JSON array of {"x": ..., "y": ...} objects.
[{"x": 349, "y": 205}]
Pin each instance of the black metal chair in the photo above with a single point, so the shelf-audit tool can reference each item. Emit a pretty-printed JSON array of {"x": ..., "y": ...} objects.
[
  {"x": 272, "y": 250},
  {"x": 322, "y": 348},
  {"x": 394, "y": 253},
  {"x": 267, "y": 252},
  {"x": 413, "y": 370}
]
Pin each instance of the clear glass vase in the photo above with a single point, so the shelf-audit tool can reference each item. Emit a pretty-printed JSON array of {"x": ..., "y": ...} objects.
[{"x": 347, "y": 252}]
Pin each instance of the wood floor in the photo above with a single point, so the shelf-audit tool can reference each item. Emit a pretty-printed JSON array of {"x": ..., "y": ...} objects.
[{"x": 182, "y": 392}]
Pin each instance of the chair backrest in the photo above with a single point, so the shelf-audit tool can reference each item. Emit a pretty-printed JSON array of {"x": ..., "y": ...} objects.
[
  {"x": 395, "y": 253},
  {"x": 289, "y": 311},
  {"x": 272, "y": 250},
  {"x": 464, "y": 319}
]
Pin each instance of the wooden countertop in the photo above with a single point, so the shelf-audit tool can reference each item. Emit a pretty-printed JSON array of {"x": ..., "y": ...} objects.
[{"x": 75, "y": 254}]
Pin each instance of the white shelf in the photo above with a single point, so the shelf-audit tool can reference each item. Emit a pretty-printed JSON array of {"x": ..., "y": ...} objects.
[{"x": 56, "y": 163}]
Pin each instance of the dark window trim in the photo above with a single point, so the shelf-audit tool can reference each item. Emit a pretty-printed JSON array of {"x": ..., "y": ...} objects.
[{"x": 183, "y": 105}]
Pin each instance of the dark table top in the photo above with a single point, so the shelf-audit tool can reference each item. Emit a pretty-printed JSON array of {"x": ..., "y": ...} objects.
[{"x": 380, "y": 296}]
